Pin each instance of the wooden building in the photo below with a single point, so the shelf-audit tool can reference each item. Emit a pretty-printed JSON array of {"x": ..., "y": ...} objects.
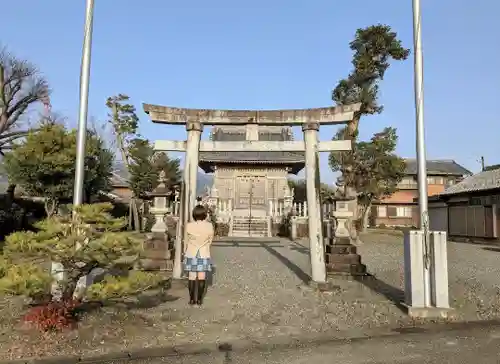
[
  {"x": 470, "y": 209},
  {"x": 249, "y": 182}
]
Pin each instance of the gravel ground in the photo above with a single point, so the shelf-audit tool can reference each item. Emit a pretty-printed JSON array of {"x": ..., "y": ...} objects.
[
  {"x": 474, "y": 272},
  {"x": 258, "y": 293},
  {"x": 449, "y": 347}
]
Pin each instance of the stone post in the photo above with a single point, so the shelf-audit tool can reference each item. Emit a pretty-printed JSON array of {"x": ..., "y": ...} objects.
[
  {"x": 179, "y": 231},
  {"x": 288, "y": 201},
  {"x": 293, "y": 228},
  {"x": 213, "y": 198},
  {"x": 317, "y": 251},
  {"x": 194, "y": 130}
]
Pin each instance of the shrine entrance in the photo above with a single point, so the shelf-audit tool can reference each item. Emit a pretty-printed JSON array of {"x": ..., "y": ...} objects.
[{"x": 251, "y": 194}]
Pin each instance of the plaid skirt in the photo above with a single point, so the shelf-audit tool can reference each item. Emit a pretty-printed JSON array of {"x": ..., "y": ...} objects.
[{"x": 197, "y": 264}]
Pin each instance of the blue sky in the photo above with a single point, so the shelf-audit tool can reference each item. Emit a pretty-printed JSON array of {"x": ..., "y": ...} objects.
[{"x": 270, "y": 54}]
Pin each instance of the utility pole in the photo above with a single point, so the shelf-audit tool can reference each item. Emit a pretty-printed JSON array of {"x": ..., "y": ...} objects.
[
  {"x": 84, "y": 101},
  {"x": 420, "y": 143}
]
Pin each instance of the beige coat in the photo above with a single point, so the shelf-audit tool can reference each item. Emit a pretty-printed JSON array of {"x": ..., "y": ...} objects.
[{"x": 199, "y": 239}]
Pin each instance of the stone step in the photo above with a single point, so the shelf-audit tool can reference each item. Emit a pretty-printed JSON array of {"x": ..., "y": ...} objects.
[
  {"x": 251, "y": 224},
  {"x": 256, "y": 230},
  {"x": 343, "y": 258},
  {"x": 247, "y": 224},
  {"x": 346, "y": 268},
  {"x": 252, "y": 220},
  {"x": 340, "y": 249},
  {"x": 245, "y": 234}
]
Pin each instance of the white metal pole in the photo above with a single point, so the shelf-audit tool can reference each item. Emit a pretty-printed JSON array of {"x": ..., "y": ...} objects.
[
  {"x": 421, "y": 155},
  {"x": 84, "y": 101}
]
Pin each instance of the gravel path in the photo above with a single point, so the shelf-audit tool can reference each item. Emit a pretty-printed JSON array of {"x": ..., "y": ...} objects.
[{"x": 259, "y": 292}]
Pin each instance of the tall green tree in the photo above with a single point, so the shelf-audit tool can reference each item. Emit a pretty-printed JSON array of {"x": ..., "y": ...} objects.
[
  {"x": 125, "y": 123},
  {"x": 44, "y": 165},
  {"x": 374, "y": 48},
  {"x": 142, "y": 162},
  {"x": 300, "y": 190},
  {"x": 376, "y": 172}
]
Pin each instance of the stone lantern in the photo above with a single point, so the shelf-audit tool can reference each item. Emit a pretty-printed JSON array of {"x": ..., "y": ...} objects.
[
  {"x": 160, "y": 196},
  {"x": 158, "y": 248},
  {"x": 342, "y": 258}
]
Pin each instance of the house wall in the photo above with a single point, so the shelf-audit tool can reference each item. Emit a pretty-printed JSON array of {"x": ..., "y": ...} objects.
[
  {"x": 392, "y": 215},
  {"x": 438, "y": 216},
  {"x": 475, "y": 217},
  {"x": 401, "y": 210}
]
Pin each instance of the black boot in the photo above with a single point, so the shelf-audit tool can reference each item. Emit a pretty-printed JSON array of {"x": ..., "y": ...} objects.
[
  {"x": 201, "y": 291},
  {"x": 192, "y": 291}
]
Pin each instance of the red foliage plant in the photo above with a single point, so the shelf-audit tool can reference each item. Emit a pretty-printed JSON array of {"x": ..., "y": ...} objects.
[{"x": 54, "y": 316}]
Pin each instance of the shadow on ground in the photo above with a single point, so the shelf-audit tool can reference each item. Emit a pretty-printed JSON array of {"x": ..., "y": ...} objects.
[
  {"x": 393, "y": 294},
  {"x": 492, "y": 249},
  {"x": 294, "y": 268},
  {"x": 299, "y": 248}
]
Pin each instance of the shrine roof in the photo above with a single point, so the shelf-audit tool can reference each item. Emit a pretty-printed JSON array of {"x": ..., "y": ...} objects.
[{"x": 294, "y": 160}]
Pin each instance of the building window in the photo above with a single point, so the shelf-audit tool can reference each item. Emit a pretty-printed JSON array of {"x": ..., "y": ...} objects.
[
  {"x": 407, "y": 183},
  {"x": 403, "y": 211},
  {"x": 435, "y": 180},
  {"x": 381, "y": 211}
]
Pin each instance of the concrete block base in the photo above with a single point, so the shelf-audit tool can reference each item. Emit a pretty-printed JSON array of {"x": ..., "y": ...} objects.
[{"x": 428, "y": 312}]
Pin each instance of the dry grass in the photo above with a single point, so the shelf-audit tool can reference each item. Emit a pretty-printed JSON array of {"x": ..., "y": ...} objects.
[{"x": 100, "y": 330}]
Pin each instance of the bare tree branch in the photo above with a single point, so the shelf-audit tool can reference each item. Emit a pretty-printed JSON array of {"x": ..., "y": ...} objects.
[{"x": 21, "y": 86}]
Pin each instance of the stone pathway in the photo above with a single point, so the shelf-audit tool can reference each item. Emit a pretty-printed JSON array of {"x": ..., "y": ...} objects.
[{"x": 259, "y": 292}]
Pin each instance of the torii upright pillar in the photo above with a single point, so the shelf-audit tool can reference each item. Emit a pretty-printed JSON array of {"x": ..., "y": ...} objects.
[
  {"x": 315, "y": 220},
  {"x": 188, "y": 190}
]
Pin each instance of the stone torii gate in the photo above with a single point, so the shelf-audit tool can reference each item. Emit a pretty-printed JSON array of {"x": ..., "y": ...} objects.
[{"x": 309, "y": 119}]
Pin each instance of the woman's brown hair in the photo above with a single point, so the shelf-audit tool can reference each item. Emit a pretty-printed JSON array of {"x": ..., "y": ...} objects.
[{"x": 200, "y": 213}]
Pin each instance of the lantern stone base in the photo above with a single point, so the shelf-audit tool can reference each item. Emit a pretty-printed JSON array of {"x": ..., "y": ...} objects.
[
  {"x": 158, "y": 252},
  {"x": 342, "y": 259}
]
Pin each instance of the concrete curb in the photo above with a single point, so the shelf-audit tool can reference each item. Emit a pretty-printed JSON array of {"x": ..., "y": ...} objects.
[{"x": 265, "y": 344}]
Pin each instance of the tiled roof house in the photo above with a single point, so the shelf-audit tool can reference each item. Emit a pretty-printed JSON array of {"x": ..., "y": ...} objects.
[{"x": 399, "y": 209}]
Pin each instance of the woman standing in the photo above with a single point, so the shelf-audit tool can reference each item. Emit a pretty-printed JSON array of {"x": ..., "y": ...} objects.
[{"x": 199, "y": 236}]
